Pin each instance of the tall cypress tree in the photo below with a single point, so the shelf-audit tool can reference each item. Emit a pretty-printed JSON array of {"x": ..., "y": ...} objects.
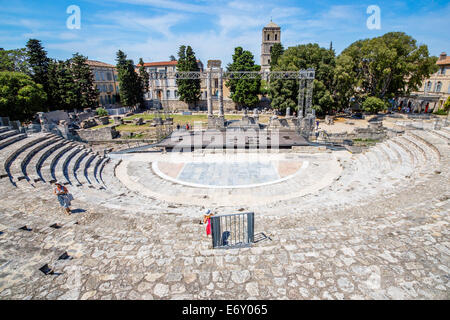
[
  {"x": 188, "y": 89},
  {"x": 145, "y": 77},
  {"x": 38, "y": 61},
  {"x": 131, "y": 91},
  {"x": 66, "y": 95},
  {"x": 85, "y": 90}
]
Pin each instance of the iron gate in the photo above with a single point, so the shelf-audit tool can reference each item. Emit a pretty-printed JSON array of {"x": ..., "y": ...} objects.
[{"x": 233, "y": 230}]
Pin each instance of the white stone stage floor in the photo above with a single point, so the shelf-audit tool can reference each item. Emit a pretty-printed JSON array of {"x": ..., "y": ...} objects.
[{"x": 229, "y": 179}]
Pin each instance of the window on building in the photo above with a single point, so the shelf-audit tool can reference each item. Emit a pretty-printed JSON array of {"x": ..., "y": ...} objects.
[
  {"x": 117, "y": 89},
  {"x": 270, "y": 49},
  {"x": 103, "y": 76},
  {"x": 268, "y": 37},
  {"x": 269, "y": 61},
  {"x": 109, "y": 76},
  {"x": 438, "y": 87},
  {"x": 176, "y": 93},
  {"x": 168, "y": 94},
  {"x": 276, "y": 37},
  {"x": 428, "y": 87},
  {"x": 110, "y": 88}
]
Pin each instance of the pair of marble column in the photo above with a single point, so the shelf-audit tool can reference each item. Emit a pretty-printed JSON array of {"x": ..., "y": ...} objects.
[{"x": 209, "y": 78}]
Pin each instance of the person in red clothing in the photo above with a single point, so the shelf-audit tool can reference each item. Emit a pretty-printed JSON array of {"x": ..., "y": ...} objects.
[
  {"x": 207, "y": 221},
  {"x": 63, "y": 197}
]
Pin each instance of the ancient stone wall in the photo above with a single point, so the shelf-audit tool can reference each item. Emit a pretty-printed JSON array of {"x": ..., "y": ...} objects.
[{"x": 103, "y": 134}]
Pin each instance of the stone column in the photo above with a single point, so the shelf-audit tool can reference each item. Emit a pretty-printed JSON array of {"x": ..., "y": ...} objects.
[
  {"x": 221, "y": 112},
  {"x": 208, "y": 92}
]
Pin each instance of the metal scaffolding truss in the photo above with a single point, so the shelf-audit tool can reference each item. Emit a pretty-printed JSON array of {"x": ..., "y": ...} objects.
[{"x": 272, "y": 75}]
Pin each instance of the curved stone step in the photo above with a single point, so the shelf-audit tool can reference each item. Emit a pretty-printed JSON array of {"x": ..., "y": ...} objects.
[
  {"x": 8, "y": 133},
  {"x": 89, "y": 170},
  {"x": 11, "y": 140},
  {"x": 39, "y": 159},
  {"x": 4, "y": 128},
  {"x": 46, "y": 169},
  {"x": 98, "y": 166},
  {"x": 58, "y": 171},
  {"x": 18, "y": 167},
  {"x": 80, "y": 168},
  {"x": 71, "y": 165},
  {"x": 10, "y": 153},
  {"x": 445, "y": 135},
  {"x": 432, "y": 150}
]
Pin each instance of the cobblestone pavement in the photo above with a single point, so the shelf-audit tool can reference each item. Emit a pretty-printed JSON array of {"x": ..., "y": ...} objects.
[{"x": 390, "y": 243}]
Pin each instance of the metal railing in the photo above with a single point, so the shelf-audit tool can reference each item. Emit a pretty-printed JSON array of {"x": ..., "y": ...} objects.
[{"x": 233, "y": 230}]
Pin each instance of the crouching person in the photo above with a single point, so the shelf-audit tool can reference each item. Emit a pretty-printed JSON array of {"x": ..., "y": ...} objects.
[{"x": 64, "y": 197}]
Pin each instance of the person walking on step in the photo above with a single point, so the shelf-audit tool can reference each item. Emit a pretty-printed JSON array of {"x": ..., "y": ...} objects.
[{"x": 64, "y": 197}]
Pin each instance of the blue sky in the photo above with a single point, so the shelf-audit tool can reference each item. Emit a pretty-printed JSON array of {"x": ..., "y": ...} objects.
[{"x": 154, "y": 29}]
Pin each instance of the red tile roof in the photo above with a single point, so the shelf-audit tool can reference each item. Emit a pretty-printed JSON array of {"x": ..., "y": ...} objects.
[
  {"x": 443, "y": 61},
  {"x": 159, "y": 63}
]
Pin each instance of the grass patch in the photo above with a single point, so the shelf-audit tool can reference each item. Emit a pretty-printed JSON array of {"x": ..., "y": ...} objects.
[
  {"x": 103, "y": 125},
  {"x": 365, "y": 142},
  {"x": 441, "y": 112}
]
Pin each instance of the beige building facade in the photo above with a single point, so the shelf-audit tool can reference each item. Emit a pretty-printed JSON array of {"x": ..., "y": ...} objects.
[
  {"x": 107, "y": 82},
  {"x": 164, "y": 92},
  {"x": 434, "y": 90}
]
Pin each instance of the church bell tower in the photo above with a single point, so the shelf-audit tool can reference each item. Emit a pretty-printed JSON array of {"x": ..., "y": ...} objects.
[{"x": 271, "y": 34}]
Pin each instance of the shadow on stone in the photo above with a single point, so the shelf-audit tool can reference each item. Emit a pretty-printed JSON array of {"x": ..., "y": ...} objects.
[
  {"x": 65, "y": 256},
  {"x": 78, "y": 211},
  {"x": 261, "y": 237},
  {"x": 45, "y": 269}
]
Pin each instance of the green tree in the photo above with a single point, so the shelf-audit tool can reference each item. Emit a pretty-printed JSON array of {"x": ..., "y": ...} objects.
[
  {"x": 84, "y": 87},
  {"x": 277, "y": 52},
  {"x": 172, "y": 58},
  {"x": 66, "y": 93},
  {"x": 374, "y": 105},
  {"x": 244, "y": 92},
  {"x": 38, "y": 61},
  {"x": 20, "y": 96},
  {"x": 385, "y": 67},
  {"x": 447, "y": 105},
  {"x": 131, "y": 92},
  {"x": 188, "y": 89},
  {"x": 14, "y": 60},
  {"x": 284, "y": 93},
  {"x": 101, "y": 112},
  {"x": 145, "y": 77}
]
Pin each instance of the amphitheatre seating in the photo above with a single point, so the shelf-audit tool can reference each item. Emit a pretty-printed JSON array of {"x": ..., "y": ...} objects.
[
  {"x": 46, "y": 158},
  {"x": 342, "y": 229},
  {"x": 46, "y": 170},
  {"x": 13, "y": 150}
]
